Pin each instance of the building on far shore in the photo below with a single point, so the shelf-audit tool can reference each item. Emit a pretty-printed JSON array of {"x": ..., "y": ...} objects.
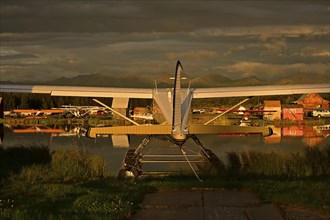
[
  {"x": 272, "y": 105},
  {"x": 312, "y": 100},
  {"x": 293, "y": 112}
]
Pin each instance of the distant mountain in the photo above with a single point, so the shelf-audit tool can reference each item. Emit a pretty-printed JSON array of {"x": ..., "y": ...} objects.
[
  {"x": 212, "y": 80},
  {"x": 219, "y": 79},
  {"x": 101, "y": 80},
  {"x": 249, "y": 81},
  {"x": 302, "y": 78},
  {"x": 202, "y": 81}
]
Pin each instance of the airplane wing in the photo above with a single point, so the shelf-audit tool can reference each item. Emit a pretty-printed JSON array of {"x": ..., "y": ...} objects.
[
  {"x": 260, "y": 90},
  {"x": 80, "y": 91}
]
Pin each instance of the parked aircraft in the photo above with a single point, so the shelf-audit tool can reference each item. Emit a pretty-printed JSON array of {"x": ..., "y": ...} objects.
[
  {"x": 80, "y": 111},
  {"x": 321, "y": 113},
  {"x": 175, "y": 105},
  {"x": 33, "y": 112},
  {"x": 242, "y": 112},
  {"x": 143, "y": 116},
  {"x": 64, "y": 110}
]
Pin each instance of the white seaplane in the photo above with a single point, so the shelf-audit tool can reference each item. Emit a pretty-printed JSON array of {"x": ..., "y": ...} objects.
[
  {"x": 143, "y": 116},
  {"x": 175, "y": 104}
]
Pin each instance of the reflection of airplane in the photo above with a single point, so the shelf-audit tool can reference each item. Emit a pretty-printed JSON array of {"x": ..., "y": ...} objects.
[
  {"x": 73, "y": 130},
  {"x": 322, "y": 127},
  {"x": 37, "y": 129},
  {"x": 175, "y": 105},
  {"x": 322, "y": 130}
]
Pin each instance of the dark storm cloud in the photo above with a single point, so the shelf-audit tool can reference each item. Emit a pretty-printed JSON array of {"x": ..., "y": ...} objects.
[
  {"x": 56, "y": 38},
  {"x": 146, "y": 16}
]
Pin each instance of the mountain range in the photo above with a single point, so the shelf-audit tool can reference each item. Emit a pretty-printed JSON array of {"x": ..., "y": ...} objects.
[{"x": 212, "y": 80}]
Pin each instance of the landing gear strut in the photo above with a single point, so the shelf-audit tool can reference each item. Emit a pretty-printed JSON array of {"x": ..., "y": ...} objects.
[{"x": 201, "y": 161}]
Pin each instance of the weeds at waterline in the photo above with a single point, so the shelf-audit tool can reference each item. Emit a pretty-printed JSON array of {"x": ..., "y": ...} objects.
[
  {"x": 64, "y": 166},
  {"x": 68, "y": 186},
  {"x": 312, "y": 162}
]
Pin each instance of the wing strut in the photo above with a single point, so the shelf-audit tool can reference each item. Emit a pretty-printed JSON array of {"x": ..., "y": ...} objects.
[
  {"x": 218, "y": 116},
  {"x": 191, "y": 166},
  {"x": 121, "y": 115}
]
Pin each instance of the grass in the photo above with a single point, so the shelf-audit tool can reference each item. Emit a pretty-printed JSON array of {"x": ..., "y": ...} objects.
[
  {"x": 311, "y": 193},
  {"x": 89, "y": 199},
  {"x": 312, "y": 162},
  {"x": 72, "y": 184},
  {"x": 13, "y": 159}
]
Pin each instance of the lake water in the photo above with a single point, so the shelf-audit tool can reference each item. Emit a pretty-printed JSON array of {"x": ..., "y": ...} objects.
[{"x": 285, "y": 141}]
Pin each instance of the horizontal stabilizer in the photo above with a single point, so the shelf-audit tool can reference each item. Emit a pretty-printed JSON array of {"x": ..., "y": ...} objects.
[
  {"x": 143, "y": 129},
  {"x": 229, "y": 129}
]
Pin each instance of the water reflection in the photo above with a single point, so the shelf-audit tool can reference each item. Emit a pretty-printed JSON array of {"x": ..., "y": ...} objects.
[{"x": 285, "y": 140}]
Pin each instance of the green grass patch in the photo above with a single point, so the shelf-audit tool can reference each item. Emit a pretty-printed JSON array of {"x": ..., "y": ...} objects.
[
  {"x": 73, "y": 201},
  {"x": 72, "y": 184},
  {"x": 13, "y": 159},
  {"x": 311, "y": 193}
]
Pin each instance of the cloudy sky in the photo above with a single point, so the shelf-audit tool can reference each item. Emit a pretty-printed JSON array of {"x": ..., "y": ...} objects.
[{"x": 43, "y": 40}]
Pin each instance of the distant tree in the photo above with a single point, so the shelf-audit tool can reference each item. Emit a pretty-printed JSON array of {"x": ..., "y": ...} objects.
[
  {"x": 24, "y": 102},
  {"x": 45, "y": 102},
  {"x": 34, "y": 103}
]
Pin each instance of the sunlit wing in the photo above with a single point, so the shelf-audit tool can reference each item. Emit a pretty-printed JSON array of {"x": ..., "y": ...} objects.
[
  {"x": 80, "y": 91},
  {"x": 260, "y": 90}
]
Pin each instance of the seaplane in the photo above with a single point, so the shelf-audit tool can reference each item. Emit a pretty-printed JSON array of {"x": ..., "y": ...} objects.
[
  {"x": 33, "y": 112},
  {"x": 143, "y": 116},
  {"x": 175, "y": 104},
  {"x": 80, "y": 111}
]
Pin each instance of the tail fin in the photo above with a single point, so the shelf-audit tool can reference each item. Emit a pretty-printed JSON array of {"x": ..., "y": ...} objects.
[{"x": 176, "y": 120}]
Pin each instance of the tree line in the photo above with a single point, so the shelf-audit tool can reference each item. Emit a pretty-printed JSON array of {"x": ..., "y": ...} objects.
[{"x": 44, "y": 101}]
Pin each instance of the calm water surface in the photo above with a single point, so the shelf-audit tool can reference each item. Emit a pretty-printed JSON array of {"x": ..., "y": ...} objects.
[{"x": 284, "y": 141}]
